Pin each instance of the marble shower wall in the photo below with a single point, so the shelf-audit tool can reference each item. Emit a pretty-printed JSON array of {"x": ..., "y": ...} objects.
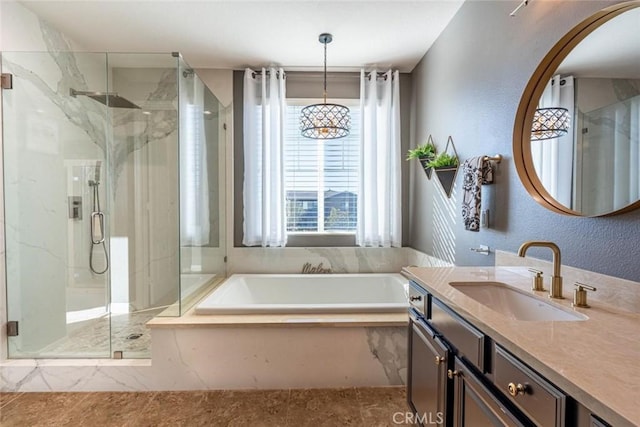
[
  {"x": 144, "y": 153},
  {"x": 52, "y": 142},
  {"x": 49, "y": 137}
]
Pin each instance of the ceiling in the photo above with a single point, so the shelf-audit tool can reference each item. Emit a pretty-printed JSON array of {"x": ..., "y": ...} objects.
[{"x": 233, "y": 34}]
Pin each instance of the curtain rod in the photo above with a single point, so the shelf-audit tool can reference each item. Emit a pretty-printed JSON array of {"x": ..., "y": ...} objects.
[
  {"x": 381, "y": 76},
  {"x": 267, "y": 72}
]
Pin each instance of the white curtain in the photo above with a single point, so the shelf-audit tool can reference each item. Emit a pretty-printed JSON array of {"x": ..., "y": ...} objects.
[
  {"x": 553, "y": 158},
  {"x": 379, "y": 201},
  {"x": 264, "y": 128},
  {"x": 194, "y": 181}
]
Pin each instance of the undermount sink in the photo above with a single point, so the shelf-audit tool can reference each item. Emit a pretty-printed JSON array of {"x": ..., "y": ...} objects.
[{"x": 514, "y": 303}]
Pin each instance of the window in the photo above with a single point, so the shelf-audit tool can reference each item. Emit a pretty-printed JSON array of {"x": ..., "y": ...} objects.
[{"x": 321, "y": 176}]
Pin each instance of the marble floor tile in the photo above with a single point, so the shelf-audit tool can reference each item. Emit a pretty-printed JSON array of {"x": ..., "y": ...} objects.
[
  {"x": 362, "y": 407},
  {"x": 106, "y": 409},
  {"x": 318, "y": 407},
  {"x": 175, "y": 408},
  {"x": 255, "y": 408},
  {"x": 5, "y": 398},
  {"x": 39, "y": 409},
  {"x": 381, "y": 407},
  {"x": 97, "y": 337}
]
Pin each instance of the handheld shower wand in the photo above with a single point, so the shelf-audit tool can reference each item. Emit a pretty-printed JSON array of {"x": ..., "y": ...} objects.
[{"x": 97, "y": 222}]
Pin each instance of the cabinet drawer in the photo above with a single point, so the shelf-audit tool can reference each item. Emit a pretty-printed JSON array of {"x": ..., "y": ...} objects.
[
  {"x": 538, "y": 398},
  {"x": 418, "y": 299},
  {"x": 469, "y": 342}
]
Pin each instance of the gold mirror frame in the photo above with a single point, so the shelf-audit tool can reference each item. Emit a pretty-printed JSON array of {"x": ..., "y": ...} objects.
[{"x": 529, "y": 102}]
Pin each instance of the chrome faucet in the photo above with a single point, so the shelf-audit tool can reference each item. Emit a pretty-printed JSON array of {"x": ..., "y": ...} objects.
[{"x": 556, "y": 281}]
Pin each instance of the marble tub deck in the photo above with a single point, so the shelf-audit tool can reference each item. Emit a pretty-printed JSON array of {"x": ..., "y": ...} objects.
[{"x": 297, "y": 407}]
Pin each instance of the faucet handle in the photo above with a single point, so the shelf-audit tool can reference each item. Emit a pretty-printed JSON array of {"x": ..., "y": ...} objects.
[
  {"x": 537, "y": 280},
  {"x": 580, "y": 295}
]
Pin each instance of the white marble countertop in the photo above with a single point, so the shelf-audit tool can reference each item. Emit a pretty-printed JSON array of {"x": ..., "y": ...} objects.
[{"x": 596, "y": 361}]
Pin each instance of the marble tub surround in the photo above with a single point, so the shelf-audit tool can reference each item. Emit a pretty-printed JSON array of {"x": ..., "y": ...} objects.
[
  {"x": 594, "y": 361},
  {"x": 191, "y": 320},
  {"x": 360, "y": 406},
  {"x": 620, "y": 293},
  {"x": 338, "y": 259},
  {"x": 227, "y": 357},
  {"x": 279, "y": 357}
]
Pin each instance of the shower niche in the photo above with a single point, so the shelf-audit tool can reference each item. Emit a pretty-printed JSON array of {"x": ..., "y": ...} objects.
[{"x": 113, "y": 182}]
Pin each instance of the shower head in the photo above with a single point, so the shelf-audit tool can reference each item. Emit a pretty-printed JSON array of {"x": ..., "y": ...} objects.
[{"x": 110, "y": 99}]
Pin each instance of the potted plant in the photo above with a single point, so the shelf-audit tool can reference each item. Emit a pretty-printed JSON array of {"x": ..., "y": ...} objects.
[
  {"x": 446, "y": 167},
  {"x": 444, "y": 161},
  {"x": 424, "y": 153}
]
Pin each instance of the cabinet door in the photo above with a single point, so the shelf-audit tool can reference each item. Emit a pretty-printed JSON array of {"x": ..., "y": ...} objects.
[
  {"x": 427, "y": 389},
  {"x": 476, "y": 405}
]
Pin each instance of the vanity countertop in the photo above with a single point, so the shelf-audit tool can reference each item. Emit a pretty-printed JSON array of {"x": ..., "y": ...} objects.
[{"x": 596, "y": 361}]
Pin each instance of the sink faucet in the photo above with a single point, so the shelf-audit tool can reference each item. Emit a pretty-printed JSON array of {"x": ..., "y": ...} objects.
[{"x": 556, "y": 281}]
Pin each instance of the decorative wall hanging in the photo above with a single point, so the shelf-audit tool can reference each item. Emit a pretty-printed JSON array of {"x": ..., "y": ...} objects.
[
  {"x": 446, "y": 166},
  {"x": 425, "y": 153}
]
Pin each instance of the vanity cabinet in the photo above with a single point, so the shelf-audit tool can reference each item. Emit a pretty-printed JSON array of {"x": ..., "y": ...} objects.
[
  {"x": 458, "y": 371},
  {"x": 428, "y": 387},
  {"x": 477, "y": 405},
  {"x": 429, "y": 390},
  {"x": 538, "y": 398}
]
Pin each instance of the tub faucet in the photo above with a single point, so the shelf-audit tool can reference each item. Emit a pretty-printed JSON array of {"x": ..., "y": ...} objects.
[{"x": 555, "y": 291}]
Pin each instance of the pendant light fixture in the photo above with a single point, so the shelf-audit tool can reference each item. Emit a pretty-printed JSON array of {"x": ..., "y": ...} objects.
[
  {"x": 325, "y": 121},
  {"x": 550, "y": 123}
]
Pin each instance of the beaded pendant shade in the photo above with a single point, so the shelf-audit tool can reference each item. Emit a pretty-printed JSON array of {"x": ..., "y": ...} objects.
[
  {"x": 549, "y": 123},
  {"x": 325, "y": 121}
]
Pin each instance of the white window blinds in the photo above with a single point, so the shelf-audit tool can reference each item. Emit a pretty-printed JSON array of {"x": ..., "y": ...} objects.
[{"x": 321, "y": 177}]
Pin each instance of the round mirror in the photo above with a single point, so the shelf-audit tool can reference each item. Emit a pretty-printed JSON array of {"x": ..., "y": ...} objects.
[{"x": 576, "y": 136}]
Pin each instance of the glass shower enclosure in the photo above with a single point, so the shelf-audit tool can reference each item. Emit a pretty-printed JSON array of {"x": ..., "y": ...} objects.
[{"x": 113, "y": 181}]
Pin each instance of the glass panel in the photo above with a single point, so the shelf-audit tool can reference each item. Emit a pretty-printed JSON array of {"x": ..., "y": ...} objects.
[
  {"x": 91, "y": 172},
  {"x": 202, "y": 137},
  {"x": 144, "y": 168},
  {"x": 54, "y": 137}
]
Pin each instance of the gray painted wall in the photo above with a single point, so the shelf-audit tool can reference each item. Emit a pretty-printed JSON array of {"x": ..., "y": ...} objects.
[{"x": 468, "y": 86}]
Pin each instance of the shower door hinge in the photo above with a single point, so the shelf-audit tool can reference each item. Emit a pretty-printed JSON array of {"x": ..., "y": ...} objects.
[
  {"x": 7, "y": 81},
  {"x": 225, "y": 258},
  {"x": 12, "y": 328}
]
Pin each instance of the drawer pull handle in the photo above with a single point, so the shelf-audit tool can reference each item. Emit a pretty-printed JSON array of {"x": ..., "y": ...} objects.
[
  {"x": 415, "y": 298},
  {"x": 516, "y": 389},
  {"x": 439, "y": 360},
  {"x": 452, "y": 374}
]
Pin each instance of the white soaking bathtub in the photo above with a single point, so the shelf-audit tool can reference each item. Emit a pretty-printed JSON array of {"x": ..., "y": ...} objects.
[{"x": 307, "y": 293}]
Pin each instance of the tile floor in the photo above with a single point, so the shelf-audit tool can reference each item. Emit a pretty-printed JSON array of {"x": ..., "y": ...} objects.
[
  {"x": 98, "y": 338},
  {"x": 270, "y": 408}
]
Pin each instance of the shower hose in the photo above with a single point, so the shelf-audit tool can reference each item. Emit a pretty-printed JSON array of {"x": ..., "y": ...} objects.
[{"x": 97, "y": 214}]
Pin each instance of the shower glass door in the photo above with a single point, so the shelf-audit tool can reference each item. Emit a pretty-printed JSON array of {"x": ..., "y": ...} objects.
[
  {"x": 113, "y": 173},
  {"x": 55, "y": 160}
]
